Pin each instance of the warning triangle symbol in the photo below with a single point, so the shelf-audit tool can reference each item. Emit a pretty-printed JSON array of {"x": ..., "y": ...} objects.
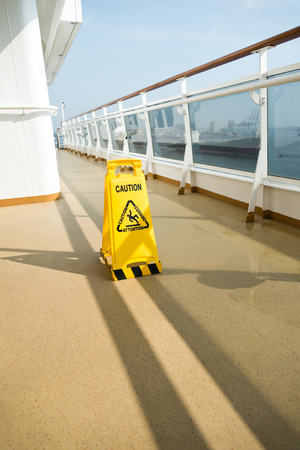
[{"x": 132, "y": 218}]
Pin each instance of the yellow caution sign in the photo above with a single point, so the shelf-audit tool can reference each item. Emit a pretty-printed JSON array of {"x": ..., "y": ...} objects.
[{"x": 128, "y": 241}]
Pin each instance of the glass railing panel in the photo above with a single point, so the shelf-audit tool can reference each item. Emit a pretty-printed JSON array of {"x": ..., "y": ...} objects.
[
  {"x": 81, "y": 134},
  {"x": 136, "y": 133},
  {"x": 168, "y": 135},
  {"x": 226, "y": 132},
  {"x": 84, "y": 137},
  {"x": 78, "y": 134},
  {"x": 75, "y": 135},
  {"x": 284, "y": 130},
  {"x": 117, "y": 133},
  {"x": 93, "y": 135},
  {"x": 102, "y": 130}
]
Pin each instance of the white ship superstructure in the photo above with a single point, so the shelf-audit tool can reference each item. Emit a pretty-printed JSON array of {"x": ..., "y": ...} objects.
[{"x": 35, "y": 38}]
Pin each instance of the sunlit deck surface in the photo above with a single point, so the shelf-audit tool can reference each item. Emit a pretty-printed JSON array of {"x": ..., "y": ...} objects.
[{"x": 205, "y": 355}]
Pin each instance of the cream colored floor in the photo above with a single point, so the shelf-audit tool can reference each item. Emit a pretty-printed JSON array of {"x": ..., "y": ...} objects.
[{"x": 205, "y": 355}]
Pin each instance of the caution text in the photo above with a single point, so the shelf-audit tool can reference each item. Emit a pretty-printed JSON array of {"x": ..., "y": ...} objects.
[{"x": 129, "y": 187}]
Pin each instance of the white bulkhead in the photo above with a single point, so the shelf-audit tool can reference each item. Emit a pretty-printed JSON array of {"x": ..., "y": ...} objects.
[{"x": 28, "y": 167}]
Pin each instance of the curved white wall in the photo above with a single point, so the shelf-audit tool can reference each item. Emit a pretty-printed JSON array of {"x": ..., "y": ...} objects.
[{"x": 28, "y": 166}]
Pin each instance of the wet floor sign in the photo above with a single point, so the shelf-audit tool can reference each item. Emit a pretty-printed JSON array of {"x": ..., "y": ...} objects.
[{"x": 128, "y": 241}]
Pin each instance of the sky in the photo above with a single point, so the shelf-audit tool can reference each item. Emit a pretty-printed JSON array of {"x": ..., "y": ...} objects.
[{"x": 125, "y": 45}]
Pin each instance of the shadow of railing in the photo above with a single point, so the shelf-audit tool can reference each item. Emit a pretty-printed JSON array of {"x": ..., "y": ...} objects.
[
  {"x": 153, "y": 388},
  {"x": 270, "y": 427},
  {"x": 169, "y": 419}
]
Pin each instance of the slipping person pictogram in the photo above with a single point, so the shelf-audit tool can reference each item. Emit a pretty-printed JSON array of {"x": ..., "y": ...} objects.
[{"x": 132, "y": 218}]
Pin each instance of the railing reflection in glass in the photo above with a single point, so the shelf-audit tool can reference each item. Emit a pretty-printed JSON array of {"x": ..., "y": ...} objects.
[
  {"x": 168, "y": 135},
  {"x": 102, "y": 130},
  {"x": 226, "y": 132},
  {"x": 136, "y": 133},
  {"x": 117, "y": 132},
  {"x": 92, "y": 133}
]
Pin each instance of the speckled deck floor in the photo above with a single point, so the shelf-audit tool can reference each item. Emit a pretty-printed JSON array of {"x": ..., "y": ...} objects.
[{"x": 205, "y": 355}]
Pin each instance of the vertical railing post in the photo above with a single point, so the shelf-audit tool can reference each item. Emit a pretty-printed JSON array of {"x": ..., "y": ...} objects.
[
  {"x": 77, "y": 137},
  {"x": 98, "y": 142},
  {"x": 73, "y": 135},
  {"x": 71, "y": 141},
  {"x": 65, "y": 130},
  {"x": 88, "y": 135},
  {"x": 109, "y": 144},
  {"x": 261, "y": 170},
  {"x": 70, "y": 135},
  {"x": 188, "y": 154},
  {"x": 77, "y": 128},
  {"x": 82, "y": 139},
  {"x": 69, "y": 130},
  {"x": 67, "y": 135},
  {"x": 125, "y": 142},
  {"x": 149, "y": 150}
]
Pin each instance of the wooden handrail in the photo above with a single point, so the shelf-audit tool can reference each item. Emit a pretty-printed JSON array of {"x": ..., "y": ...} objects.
[{"x": 270, "y": 42}]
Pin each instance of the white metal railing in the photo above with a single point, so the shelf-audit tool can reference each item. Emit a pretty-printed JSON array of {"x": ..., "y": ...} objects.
[{"x": 82, "y": 132}]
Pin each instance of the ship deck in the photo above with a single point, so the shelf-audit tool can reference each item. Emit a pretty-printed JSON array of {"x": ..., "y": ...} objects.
[{"x": 205, "y": 355}]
